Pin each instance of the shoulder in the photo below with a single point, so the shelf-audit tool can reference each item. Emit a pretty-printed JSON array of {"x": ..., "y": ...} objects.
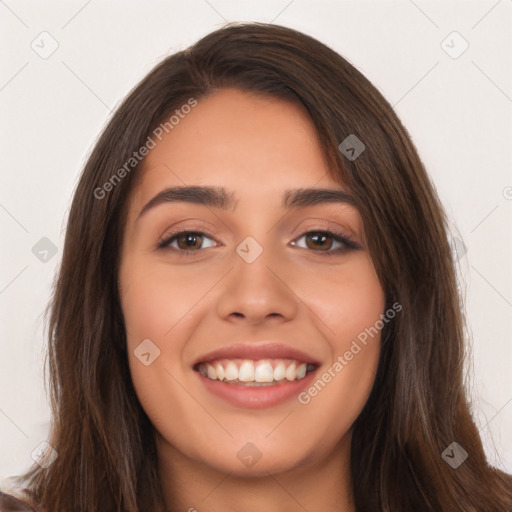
[{"x": 9, "y": 503}]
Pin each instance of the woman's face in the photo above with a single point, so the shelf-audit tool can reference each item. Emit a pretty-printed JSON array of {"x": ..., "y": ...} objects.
[{"x": 262, "y": 281}]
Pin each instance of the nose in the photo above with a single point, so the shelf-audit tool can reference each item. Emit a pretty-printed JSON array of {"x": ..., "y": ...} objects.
[{"x": 258, "y": 291}]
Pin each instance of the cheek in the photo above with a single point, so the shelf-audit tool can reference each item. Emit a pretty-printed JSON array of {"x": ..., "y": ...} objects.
[
  {"x": 152, "y": 303},
  {"x": 346, "y": 299},
  {"x": 155, "y": 298},
  {"x": 349, "y": 304},
  {"x": 155, "y": 302}
]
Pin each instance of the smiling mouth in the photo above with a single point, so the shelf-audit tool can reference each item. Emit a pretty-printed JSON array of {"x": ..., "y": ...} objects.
[{"x": 248, "y": 372}]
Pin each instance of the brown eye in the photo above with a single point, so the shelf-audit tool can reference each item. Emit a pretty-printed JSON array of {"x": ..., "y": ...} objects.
[
  {"x": 186, "y": 241},
  {"x": 327, "y": 242},
  {"x": 189, "y": 241},
  {"x": 319, "y": 240}
]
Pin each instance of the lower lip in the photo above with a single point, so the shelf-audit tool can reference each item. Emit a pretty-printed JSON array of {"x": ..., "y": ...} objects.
[{"x": 257, "y": 397}]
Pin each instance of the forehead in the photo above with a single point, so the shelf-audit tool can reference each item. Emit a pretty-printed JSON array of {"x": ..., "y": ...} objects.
[{"x": 255, "y": 145}]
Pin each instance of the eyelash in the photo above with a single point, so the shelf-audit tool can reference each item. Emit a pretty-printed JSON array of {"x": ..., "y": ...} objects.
[{"x": 348, "y": 243}]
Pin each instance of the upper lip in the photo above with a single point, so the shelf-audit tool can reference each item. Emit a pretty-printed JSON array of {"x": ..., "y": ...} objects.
[{"x": 256, "y": 352}]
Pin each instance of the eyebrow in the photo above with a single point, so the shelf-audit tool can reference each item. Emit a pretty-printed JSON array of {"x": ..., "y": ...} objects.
[{"x": 219, "y": 197}]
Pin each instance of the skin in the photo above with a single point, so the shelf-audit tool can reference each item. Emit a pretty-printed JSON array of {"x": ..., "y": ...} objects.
[{"x": 190, "y": 304}]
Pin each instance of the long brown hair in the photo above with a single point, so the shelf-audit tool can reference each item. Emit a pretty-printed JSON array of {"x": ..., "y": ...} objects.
[{"x": 418, "y": 406}]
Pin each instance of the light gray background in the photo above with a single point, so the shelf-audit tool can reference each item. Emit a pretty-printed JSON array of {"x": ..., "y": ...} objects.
[{"x": 458, "y": 111}]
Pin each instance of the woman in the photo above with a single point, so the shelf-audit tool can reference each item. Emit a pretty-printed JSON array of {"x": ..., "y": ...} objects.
[{"x": 257, "y": 294}]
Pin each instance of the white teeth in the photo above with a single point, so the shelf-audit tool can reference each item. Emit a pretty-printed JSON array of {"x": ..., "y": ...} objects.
[
  {"x": 246, "y": 372},
  {"x": 210, "y": 372},
  {"x": 262, "y": 372},
  {"x": 219, "y": 370},
  {"x": 231, "y": 371},
  {"x": 290, "y": 372},
  {"x": 280, "y": 371}
]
